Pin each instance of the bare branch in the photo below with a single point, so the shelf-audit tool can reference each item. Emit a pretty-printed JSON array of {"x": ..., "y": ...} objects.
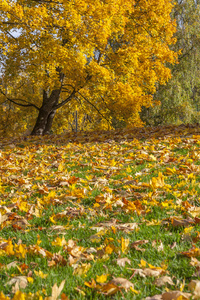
[{"x": 94, "y": 107}]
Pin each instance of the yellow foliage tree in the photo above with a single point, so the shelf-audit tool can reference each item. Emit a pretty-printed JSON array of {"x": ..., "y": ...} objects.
[{"x": 106, "y": 56}]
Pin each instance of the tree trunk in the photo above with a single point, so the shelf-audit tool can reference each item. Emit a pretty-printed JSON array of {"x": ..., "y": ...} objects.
[
  {"x": 46, "y": 113},
  {"x": 49, "y": 122}
]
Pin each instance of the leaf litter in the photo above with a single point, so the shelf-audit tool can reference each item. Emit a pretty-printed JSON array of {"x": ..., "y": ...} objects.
[{"x": 100, "y": 210}]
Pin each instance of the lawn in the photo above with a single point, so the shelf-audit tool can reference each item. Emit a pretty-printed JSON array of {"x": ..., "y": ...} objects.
[{"x": 101, "y": 215}]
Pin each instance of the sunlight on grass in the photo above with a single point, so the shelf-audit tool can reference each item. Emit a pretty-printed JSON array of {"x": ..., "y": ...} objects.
[{"x": 118, "y": 218}]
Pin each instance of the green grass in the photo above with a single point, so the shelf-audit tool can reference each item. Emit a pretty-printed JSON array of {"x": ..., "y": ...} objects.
[{"x": 78, "y": 195}]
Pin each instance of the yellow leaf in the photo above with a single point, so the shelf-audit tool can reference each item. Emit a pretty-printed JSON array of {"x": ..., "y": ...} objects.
[
  {"x": 9, "y": 248},
  {"x": 102, "y": 278},
  {"x": 30, "y": 279},
  {"x": 3, "y": 297},
  {"x": 128, "y": 170},
  {"x": 60, "y": 167},
  {"x": 82, "y": 269},
  {"x": 134, "y": 291},
  {"x": 52, "y": 220},
  {"x": 142, "y": 263},
  {"x": 124, "y": 244},
  {"x": 92, "y": 284},
  {"x": 38, "y": 240},
  {"x": 40, "y": 274},
  {"x": 109, "y": 249},
  {"x": 20, "y": 250},
  {"x": 59, "y": 242},
  {"x": 19, "y": 296}
]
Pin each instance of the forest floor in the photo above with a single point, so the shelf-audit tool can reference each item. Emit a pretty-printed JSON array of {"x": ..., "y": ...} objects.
[{"x": 101, "y": 215}]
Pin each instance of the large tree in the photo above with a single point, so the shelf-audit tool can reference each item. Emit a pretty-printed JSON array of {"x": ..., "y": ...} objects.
[{"x": 109, "y": 54}]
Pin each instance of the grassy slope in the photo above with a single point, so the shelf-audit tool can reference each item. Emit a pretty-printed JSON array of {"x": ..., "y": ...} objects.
[{"x": 90, "y": 207}]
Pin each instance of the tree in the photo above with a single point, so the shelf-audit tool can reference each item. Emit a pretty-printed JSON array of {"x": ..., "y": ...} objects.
[
  {"x": 180, "y": 97},
  {"x": 105, "y": 55}
]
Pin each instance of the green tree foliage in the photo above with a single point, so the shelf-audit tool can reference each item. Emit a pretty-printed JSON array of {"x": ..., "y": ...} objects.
[{"x": 180, "y": 97}]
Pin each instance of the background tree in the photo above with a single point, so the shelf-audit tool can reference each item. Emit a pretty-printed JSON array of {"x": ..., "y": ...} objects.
[
  {"x": 180, "y": 97},
  {"x": 107, "y": 56}
]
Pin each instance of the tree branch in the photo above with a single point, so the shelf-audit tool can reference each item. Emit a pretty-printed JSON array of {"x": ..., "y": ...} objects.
[
  {"x": 66, "y": 100},
  {"x": 20, "y": 104},
  {"x": 94, "y": 107}
]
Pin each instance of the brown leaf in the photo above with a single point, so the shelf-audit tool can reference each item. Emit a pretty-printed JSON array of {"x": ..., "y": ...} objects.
[
  {"x": 122, "y": 261},
  {"x": 194, "y": 286},
  {"x": 139, "y": 242},
  {"x": 3, "y": 218},
  {"x": 176, "y": 295},
  {"x": 19, "y": 282},
  {"x": 183, "y": 222},
  {"x": 193, "y": 252},
  {"x": 122, "y": 283},
  {"x": 148, "y": 272},
  {"x": 159, "y": 247},
  {"x": 163, "y": 280},
  {"x": 155, "y": 297},
  {"x": 109, "y": 289},
  {"x": 57, "y": 259},
  {"x": 173, "y": 245},
  {"x": 13, "y": 264}
]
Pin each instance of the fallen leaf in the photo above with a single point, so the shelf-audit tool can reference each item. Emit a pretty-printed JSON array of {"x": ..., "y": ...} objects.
[
  {"x": 3, "y": 218},
  {"x": 57, "y": 259},
  {"x": 183, "y": 222},
  {"x": 59, "y": 242},
  {"x": 163, "y": 280},
  {"x": 20, "y": 282},
  {"x": 148, "y": 272},
  {"x": 13, "y": 264},
  {"x": 155, "y": 297},
  {"x": 122, "y": 283},
  {"x": 193, "y": 252},
  {"x": 81, "y": 269},
  {"x": 40, "y": 274},
  {"x": 122, "y": 261},
  {"x": 56, "y": 291},
  {"x": 109, "y": 289},
  {"x": 195, "y": 262},
  {"x": 102, "y": 278},
  {"x": 139, "y": 242},
  {"x": 176, "y": 295},
  {"x": 124, "y": 244},
  {"x": 194, "y": 286}
]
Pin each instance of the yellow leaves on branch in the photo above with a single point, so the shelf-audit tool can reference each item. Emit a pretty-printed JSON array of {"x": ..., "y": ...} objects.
[{"x": 112, "y": 53}]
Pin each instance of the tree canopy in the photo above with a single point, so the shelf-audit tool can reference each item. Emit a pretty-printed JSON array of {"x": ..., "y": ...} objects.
[
  {"x": 105, "y": 57},
  {"x": 180, "y": 97}
]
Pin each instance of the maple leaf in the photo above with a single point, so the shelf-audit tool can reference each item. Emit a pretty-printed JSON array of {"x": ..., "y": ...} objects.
[
  {"x": 102, "y": 278},
  {"x": 157, "y": 182},
  {"x": 56, "y": 290}
]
